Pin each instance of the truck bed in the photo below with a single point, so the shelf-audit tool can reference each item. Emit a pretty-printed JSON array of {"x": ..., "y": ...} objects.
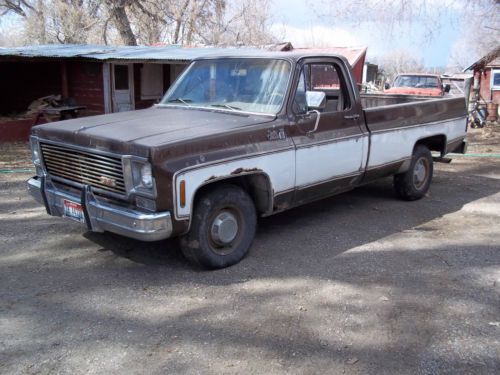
[
  {"x": 379, "y": 100},
  {"x": 395, "y": 128},
  {"x": 383, "y": 112}
]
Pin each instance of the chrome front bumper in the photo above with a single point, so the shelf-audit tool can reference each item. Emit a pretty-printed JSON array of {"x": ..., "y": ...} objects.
[{"x": 100, "y": 216}]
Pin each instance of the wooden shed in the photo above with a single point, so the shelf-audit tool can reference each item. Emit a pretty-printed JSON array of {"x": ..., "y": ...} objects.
[{"x": 103, "y": 79}]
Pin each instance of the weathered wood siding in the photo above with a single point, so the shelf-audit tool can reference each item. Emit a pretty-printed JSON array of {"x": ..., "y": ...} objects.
[{"x": 85, "y": 84}]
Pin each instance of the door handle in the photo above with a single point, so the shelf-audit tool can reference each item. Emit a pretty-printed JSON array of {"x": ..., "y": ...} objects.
[
  {"x": 318, "y": 116},
  {"x": 351, "y": 117}
]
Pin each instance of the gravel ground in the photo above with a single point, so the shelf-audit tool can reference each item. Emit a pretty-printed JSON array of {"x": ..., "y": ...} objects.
[{"x": 361, "y": 283}]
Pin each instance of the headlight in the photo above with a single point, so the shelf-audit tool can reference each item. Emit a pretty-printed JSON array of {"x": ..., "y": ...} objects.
[
  {"x": 138, "y": 175},
  {"x": 142, "y": 175},
  {"x": 147, "y": 176},
  {"x": 35, "y": 151}
]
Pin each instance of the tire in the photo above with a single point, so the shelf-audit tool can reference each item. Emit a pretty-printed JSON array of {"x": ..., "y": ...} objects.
[
  {"x": 222, "y": 228},
  {"x": 414, "y": 183}
]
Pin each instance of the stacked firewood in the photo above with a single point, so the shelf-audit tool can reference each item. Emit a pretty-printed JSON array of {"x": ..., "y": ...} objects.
[{"x": 42, "y": 103}]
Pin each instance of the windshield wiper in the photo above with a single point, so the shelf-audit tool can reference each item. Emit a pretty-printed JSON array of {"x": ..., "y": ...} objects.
[
  {"x": 232, "y": 108},
  {"x": 180, "y": 100}
]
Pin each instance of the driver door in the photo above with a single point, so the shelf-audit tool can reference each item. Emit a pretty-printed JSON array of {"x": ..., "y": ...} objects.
[{"x": 330, "y": 144}]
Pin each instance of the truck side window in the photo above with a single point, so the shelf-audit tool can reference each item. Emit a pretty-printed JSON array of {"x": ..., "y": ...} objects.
[
  {"x": 299, "y": 101},
  {"x": 329, "y": 79}
]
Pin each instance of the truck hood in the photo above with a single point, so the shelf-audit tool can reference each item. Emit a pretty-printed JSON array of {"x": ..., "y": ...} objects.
[
  {"x": 135, "y": 132},
  {"x": 414, "y": 91}
]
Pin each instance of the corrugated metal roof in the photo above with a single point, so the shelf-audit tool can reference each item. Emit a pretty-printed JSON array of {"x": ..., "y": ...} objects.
[
  {"x": 489, "y": 60},
  {"x": 156, "y": 53},
  {"x": 53, "y": 50},
  {"x": 456, "y": 75},
  {"x": 170, "y": 53},
  {"x": 352, "y": 54},
  {"x": 96, "y": 52}
]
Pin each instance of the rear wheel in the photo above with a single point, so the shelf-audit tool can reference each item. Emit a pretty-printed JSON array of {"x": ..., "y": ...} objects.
[
  {"x": 222, "y": 229},
  {"x": 414, "y": 183}
]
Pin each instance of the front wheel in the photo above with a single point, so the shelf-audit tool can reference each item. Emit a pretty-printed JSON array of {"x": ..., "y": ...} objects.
[
  {"x": 414, "y": 183},
  {"x": 222, "y": 228}
]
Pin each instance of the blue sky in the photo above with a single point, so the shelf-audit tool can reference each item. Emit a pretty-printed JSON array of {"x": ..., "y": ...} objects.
[{"x": 301, "y": 26}]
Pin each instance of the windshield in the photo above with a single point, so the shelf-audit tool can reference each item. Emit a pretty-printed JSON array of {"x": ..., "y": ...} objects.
[
  {"x": 417, "y": 81},
  {"x": 249, "y": 85}
]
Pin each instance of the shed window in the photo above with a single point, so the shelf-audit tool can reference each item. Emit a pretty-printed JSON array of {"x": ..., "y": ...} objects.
[
  {"x": 121, "y": 77},
  {"x": 152, "y": 81},
  {"x": 495, "y": 79}
]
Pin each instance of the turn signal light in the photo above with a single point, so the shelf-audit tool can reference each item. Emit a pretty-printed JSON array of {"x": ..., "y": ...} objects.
[{"x": 182, "y": 191}]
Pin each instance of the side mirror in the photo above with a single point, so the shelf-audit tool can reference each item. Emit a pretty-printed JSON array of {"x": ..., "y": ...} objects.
[
  {"x": 447, "y": 88},
  {"x": 315, "y": 100},
  {"x": 387, "y": 86}
]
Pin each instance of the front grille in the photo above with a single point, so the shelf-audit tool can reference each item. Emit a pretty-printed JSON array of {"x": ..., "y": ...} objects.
[{"x": 79, "y": 168}]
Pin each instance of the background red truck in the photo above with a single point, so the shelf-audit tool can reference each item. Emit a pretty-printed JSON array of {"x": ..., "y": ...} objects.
[{"x": 417, "y": 84}]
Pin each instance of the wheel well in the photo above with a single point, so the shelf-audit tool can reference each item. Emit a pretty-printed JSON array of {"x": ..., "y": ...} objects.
[
  {"x": 257, "y": 185},
  {"x": 434, "y": 143}
]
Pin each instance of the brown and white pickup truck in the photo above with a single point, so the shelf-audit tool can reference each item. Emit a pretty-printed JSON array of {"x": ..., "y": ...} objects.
[{"x": 235, "y": 138}]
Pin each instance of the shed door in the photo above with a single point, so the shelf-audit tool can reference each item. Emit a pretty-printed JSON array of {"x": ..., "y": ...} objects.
[{"x": 123, "y": 87}]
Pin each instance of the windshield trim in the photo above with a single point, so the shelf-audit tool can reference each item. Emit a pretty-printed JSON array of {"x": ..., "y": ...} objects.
[
  {"x": 214, "y": 109},
  {"x": 283, "y": 104},
  {"x": 419, "y": 76}
]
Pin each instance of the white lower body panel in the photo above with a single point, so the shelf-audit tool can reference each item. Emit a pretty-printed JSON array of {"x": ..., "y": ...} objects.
[
  {"x": 278, "y": 166},
  {"x": 391, "y": 145},
  {"x": 326, "y": 161}
]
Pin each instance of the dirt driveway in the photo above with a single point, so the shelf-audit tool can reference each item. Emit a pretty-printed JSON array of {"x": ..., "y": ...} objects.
[{"x": 361, "y": 283}]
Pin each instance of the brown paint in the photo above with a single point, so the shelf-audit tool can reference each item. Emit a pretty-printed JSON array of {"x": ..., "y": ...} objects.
[
  {"x": 408, "y": 114},
  {"x": 325, "y": 189},
  {"x": 381, "y": 171}
]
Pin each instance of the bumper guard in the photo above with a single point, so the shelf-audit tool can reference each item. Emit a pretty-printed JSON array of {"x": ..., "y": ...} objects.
[{"x": 101, "y": 216}]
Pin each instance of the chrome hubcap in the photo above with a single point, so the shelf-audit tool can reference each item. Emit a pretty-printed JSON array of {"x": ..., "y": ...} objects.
[
  {"x": 420, "y": 173},
  {"x": 224, "y": 228}
]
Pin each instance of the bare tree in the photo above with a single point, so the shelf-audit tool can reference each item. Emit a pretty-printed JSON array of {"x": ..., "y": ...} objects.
[
  {"x": 151, "y": 20},
  {"x": 211, "y": 22},
  {"x": 20, "y": 7},
  {"x": 481, "y": 35},
  {"x": 55, "y": 21},
  {"x": 404, "y": 14},
  {"x": 400, "y": 61},
  {"x": 132, "y": 22},
  {"x": 71, "y": 21},
  {"x": 249, "y": 23},
  {"x": 118, "y": 14}
]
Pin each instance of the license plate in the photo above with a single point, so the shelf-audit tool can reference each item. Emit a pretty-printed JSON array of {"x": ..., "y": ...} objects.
[{"x": 73, "y": 211}]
